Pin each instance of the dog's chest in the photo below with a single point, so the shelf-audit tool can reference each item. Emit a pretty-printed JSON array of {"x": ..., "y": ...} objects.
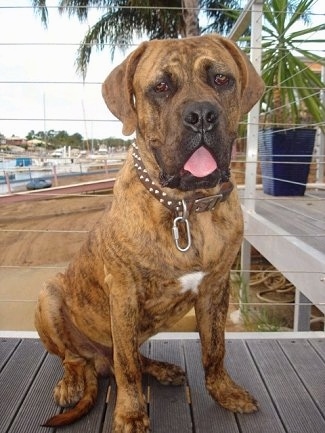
[
  {"x": 169, "y": 302},
  {"x": 190, "y": 282}
]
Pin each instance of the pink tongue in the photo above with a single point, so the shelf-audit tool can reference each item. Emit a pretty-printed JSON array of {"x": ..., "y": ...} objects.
[{"x": 201, "y": 163}]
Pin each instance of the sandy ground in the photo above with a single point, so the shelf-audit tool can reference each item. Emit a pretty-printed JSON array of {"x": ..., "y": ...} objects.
[{"x": 37, "y": 240}]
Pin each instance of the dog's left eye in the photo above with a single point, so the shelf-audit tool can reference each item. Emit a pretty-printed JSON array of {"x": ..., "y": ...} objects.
[
  {"x": 221, "y": 80},
  {"x": 161, "y": 87}
]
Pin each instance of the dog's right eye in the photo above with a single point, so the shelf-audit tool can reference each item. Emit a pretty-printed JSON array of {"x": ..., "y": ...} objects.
[
  {"x": 161, "y": 87},
  {"x": 221, "y": 80}
]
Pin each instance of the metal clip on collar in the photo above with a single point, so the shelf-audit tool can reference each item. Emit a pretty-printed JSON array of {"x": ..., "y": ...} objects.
[{"x": 183, "y": 218}]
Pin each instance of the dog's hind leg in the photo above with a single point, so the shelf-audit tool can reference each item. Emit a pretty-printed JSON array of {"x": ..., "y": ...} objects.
[
  {"x": 164, "y": 372},
  {"x": 70, "y": 389},
  {"x": 78, "y": 385}
]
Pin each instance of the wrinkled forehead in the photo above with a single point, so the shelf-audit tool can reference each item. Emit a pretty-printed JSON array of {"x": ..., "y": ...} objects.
[{"x": 184, "y": 59}]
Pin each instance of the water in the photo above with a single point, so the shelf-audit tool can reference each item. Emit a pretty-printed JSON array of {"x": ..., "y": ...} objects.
[
  {"x": 24, "y": 174},
  {"x": 45, "y": 169}
]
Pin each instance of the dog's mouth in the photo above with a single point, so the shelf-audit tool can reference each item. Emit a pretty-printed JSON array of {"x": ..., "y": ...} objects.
[
  {"x": 200, "y": 170},
  {"x": 201, "y": 163}
]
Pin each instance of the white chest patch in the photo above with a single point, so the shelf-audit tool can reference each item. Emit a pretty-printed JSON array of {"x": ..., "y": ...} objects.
[{"x": 191, "y": 282}]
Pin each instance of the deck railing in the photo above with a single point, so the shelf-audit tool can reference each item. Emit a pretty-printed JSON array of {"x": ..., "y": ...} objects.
[{"x": 301, "y": 264}]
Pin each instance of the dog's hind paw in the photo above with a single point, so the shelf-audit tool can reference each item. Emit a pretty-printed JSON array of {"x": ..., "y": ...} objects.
[
  {"x": 164, "y": 372},
  {"x": 173, "y": 375},
  {"x": 68, "y": 393}
]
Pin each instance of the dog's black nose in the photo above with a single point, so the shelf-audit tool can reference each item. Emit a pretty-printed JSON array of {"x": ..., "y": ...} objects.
[{"x": 200, "y": 116}]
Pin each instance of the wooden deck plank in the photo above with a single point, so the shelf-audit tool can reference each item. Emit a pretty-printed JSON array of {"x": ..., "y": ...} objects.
[
  {"x": 287, "y": 376},
  {"x": 309, "y": 217},
  {"x": 319, "y": 345},
  {"x": 111, "y": 400},
  {"x": 168, "y": 405},
  {"x": 308, "y": 366},
  {"x": 292, "y": 401},
  {"x": 300, "y": 217},
  {"x": 290, "y": 218},
  {"x": 208, "y": 416},
  {"x": 7, "y": 346},
  {"x": 38, "y": 404},
  {"x": 242, "y": 369},
  {"x": 312, "y": 209},
  {"x": 16, "y": 378}
]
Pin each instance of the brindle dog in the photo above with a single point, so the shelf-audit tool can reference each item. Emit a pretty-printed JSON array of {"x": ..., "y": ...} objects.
[{"x": 170, "y": 238}]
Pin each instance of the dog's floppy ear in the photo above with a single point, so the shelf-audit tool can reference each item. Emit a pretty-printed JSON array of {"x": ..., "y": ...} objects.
[
  {"x": 117, "y": 90},
  {"x": 253, "y": 85}
]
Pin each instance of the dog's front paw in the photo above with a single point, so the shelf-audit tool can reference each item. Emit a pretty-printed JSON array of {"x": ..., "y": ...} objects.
[
  {"x": 231, "y": 396},
  {"x": 131, "y": 423}
]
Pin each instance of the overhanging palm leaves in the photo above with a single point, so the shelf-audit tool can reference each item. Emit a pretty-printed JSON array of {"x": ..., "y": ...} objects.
[{"x": 123, "y": 20}]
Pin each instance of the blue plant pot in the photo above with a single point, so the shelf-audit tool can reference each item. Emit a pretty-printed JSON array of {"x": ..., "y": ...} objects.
[{"x": 285, "y": 157}]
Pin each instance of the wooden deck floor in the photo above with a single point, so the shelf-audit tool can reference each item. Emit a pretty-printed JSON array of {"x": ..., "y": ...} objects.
[
  {"x": 303, "y": 217},
  {"x": 290, "y": 233},
  {"x": 287, "y": 376}
]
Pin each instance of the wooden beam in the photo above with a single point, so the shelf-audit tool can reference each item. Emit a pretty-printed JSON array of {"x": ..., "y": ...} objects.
[
  {"x": 243, "y": 20},
  {"x": 59, "y": 191}
]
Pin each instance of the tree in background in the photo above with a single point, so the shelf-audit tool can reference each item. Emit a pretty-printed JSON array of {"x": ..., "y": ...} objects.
[
  {"x": 124, "y": 20},
  {"x": 55, "y": 139}
]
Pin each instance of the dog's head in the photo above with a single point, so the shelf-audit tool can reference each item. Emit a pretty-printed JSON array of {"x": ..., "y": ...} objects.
[{"x": 184, "y": 98}]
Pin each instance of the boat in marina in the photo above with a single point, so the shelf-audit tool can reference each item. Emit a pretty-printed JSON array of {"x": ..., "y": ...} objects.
[
  {"x": 5, "y": 176},
  {"x": 38, "y": 183}
]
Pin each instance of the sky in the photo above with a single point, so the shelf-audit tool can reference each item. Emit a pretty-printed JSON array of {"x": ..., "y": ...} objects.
[
  {"x": 28, "y": 68},
  {"x": 33, "y": 58}
]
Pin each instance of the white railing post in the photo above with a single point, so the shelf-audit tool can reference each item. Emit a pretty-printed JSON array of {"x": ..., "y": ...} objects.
[
  {"x": 320, "y": 158},
  {"x": 253, "y": 115},
  {"x": 252, "y": 143},
  {"x": 252, "y": 12}
]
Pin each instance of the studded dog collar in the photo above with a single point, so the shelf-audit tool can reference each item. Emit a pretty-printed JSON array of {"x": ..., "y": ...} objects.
[{"x": 180, "y": 208}]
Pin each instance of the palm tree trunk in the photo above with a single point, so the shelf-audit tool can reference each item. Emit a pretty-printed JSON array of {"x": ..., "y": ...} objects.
[{"x": 191, "y": 17}]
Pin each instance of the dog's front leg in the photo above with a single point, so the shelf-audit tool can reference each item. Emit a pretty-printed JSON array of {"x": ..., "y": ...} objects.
[
  {"x": 130, "y": 411},
  {"x": 211, "y": 312}
]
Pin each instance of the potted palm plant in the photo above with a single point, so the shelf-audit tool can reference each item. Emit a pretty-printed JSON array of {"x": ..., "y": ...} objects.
[{"x": 291, "y": 107}]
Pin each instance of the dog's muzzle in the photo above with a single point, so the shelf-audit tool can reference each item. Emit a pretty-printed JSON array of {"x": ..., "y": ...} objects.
[{"x": 204, "y": 152}]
